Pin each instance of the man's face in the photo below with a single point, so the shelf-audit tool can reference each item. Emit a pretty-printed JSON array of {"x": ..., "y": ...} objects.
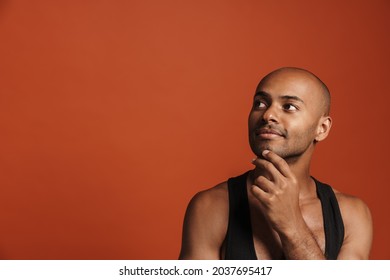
[{"x": 285, "y": 115}]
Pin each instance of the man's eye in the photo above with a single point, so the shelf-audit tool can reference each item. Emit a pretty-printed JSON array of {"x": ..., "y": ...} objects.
[
  {"x": 290, "y": 107},
  {"x": 259, "y": 104}
]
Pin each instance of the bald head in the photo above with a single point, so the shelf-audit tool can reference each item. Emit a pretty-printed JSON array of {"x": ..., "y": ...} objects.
[{"x": 304, "y": 77}]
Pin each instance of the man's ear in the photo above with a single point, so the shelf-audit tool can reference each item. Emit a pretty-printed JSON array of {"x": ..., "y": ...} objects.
[{"x": 323, "y": 128}]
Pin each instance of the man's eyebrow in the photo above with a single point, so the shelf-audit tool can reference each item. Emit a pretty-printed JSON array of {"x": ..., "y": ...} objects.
[
  {"x": 285, "y": 97},
  {"x": 293, "y": 97},
  {"x": 262, "y": 94}
]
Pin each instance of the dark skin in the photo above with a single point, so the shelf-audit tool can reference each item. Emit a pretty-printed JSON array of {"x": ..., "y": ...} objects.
[{"x": 287, "y": 120}]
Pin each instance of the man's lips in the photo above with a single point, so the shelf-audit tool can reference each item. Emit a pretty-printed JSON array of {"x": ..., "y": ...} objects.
[{"x": 268, "y": 133}]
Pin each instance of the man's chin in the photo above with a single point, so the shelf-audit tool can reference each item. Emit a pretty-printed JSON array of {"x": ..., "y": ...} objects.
[
  {"x": 259, "y": 146},
  {"x": 259, "y": 151}
]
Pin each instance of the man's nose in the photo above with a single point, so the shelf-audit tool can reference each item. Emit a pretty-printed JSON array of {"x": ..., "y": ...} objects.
[{"x": 271, "y": 114}]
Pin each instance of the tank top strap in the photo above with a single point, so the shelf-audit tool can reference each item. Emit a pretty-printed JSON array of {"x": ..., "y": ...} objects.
[
  {"x": 333, "y": 222},
  {"x": 239, "y": 240}
]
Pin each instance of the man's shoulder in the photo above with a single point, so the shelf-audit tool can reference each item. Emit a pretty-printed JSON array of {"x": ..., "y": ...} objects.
[
  {"x": 358, "y": 226},
  {"x": 211, "y": 198},
  {"x": 214, "y": 196},
  {"x": 205, "y": 223},
  {"x": 354, "y": 211},
  {"x": 347, "y": 201},
  {"x": 352, "y": 208},
  {"x": 350, "y": 202},
  {"x": 351, "y": 205},
  {"x": 212, "y": 202}
]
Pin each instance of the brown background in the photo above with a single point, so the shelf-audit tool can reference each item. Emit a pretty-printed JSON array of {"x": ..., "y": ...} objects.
[{"x": 114, "y": 113}]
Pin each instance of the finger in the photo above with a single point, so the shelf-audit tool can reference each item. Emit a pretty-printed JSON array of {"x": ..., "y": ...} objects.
[
  {"x": 260, "y": 194},
  {"x": 269, "y": 167},
  {"x": 264, "y": 184},
  {"x": 279, "y": 163}
]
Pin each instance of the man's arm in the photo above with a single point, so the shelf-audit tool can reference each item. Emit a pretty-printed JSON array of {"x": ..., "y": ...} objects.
[
  {"x": 358, "y": 228},
  {"x": 205, "y": 225}
]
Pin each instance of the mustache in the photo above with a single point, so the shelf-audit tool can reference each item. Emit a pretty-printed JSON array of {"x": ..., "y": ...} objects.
[{"x": 273, "y": 128}]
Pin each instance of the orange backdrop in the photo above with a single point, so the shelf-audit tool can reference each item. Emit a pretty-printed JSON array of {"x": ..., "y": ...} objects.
[{"x": 114, "y": 113}]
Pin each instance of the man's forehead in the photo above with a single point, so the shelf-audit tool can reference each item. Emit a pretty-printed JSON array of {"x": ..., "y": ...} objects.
[{"x": 287, "y": 84}]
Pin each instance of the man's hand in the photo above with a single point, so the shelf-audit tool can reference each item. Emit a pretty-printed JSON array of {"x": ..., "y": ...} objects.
[{"x": 276, "y": 188}]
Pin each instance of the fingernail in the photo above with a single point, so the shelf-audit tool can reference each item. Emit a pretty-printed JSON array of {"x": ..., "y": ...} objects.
[
  {"x": 265, "y": 152},
  {"x": 253, "y": 160}
]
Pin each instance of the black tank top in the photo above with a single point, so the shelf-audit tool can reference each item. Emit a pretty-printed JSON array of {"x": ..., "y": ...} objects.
[{"x": 239, "y": 240}]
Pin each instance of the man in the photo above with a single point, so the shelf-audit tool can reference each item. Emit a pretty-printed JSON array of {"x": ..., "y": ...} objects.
[{"x": 277, "y": 210}]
